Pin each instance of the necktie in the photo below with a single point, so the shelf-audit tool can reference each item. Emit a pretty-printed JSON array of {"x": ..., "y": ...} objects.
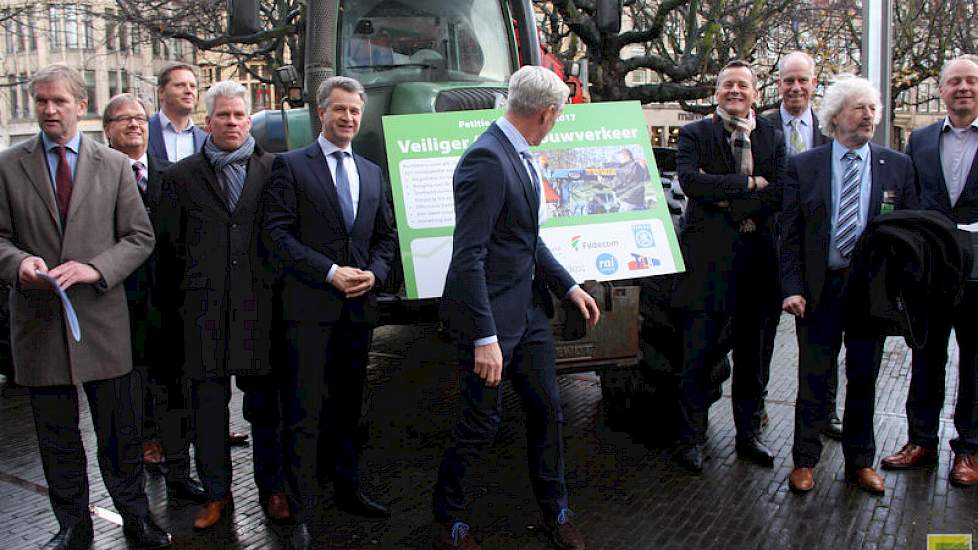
[
  {"x": 343, "y": 190},
  {"x": 140, "y": 172},
  {"x": 63, "y": 182},
  {"x": 797, "y": 142},
  {"x": 847, "y": 221},
  {"x": 528, "y": 159}
]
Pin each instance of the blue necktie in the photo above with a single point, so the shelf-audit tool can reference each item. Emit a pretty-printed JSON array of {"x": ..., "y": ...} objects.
[
  {"x": 846, "y": 223},
  {"x": 343, "y": 190},
  {"x": 528, "y": 158}
]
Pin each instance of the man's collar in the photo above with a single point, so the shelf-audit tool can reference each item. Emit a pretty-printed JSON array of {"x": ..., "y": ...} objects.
[
  {"x": 806, "y": 116},
  {"x": 143, "y": 159},
  {"x": 329, "y": 147},
  {"x": 515, "y": 137},
  {"x": 72, "y": 144},
  {"x": 839, "y": 150},
  {"x": 948, "y": 126},
  {"x": 165, "y": 122}
]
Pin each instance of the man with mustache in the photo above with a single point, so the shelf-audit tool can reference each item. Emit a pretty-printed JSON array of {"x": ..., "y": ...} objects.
[
  {"x": 947, "y": 177},
  {"x": 831, "y": 195}
]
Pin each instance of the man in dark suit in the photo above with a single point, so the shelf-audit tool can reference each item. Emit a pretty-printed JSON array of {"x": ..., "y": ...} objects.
[
  {"x": 125, "y": 123},
  {"x": 947, "y": 180},
  {"x": 70, "y": 203},
  {"x": 210, "y": 263},
  {"x": 497, "y": 304},
  {"x": 172, "y": 133},
  {"x": 730, "y": 166},
  {"x": 796, "y": 118},
  {"x": 831, "y": 195},
  {"x": 328, "y": 221}
]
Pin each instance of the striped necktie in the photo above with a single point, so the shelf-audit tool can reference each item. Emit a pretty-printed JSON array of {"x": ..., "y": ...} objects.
[
  {"x": 797, "y": 142},
  {"x": 139, "y": 171},
  {"x": 848, "y": 219}
]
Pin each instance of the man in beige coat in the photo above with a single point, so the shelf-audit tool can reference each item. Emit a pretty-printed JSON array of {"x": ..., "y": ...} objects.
[{"x": 70, "y": 209}]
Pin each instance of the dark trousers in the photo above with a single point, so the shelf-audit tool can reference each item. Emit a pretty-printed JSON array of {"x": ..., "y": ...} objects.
[
  {"x": 529, "y": 365},
  {"x": 702, "y": 349},
  {"x": 262, "y": 407},
  {"x": 324, "y": 361},
  {"x": 209, "y": 398},
  {"x": 167, "y": 418},
  {"x": 820, "y": 337},
  {"x": 116, "y": 422},
  {"x": 926, "y": 397}
]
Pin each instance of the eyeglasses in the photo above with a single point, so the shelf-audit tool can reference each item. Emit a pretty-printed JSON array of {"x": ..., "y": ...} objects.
[{"x": 129, "y": 118}]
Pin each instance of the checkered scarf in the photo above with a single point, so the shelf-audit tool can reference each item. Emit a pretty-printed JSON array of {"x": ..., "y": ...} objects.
[{"x": 740, "y": 129}]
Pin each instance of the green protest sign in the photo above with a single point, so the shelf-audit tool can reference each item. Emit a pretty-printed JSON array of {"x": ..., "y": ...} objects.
[{"x": 606, "y": 215}]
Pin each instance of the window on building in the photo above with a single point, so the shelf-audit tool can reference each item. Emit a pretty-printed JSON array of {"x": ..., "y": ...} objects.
[
  {"x": 123, "y": 35},
  {"x": 55, "y": 20},
  {"x": 656, "y": 135},
  {"x": 125, "y": 81},
  {"x": 111, "y": 42},
  {"x": 71, "y": 26},
  {"x": 14, "y": 103},
  {"x": 87, "y": 28},
  {"x": 114, "y": 86},
  {"x": 178, "y": 49},
  {"x": 9, "y": 28},
  {"x": 25, "y": 97},
  {"x": 26, "y": 36},
  {"x": 90, "y": 88},
  {"x": 137, "y": 37}
]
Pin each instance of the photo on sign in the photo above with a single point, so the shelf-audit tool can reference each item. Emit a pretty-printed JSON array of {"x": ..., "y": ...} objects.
[{"x": 596, "y": 180}]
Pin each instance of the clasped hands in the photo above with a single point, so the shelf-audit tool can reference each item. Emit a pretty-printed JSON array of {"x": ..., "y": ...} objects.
[
  {"x": 66, "y": 274},
  {"x": 353, "y": 282}
]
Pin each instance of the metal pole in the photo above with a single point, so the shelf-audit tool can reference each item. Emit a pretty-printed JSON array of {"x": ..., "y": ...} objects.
[{"x": 877, "y": 66}]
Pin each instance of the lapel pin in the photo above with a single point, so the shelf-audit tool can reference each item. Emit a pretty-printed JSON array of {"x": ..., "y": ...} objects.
[{"x": 882, "y": 161}]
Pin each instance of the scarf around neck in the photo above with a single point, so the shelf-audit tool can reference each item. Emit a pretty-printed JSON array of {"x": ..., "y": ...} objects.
[
  {"x": 231, "y": 166},
  {"x": 740, "y": 129}
]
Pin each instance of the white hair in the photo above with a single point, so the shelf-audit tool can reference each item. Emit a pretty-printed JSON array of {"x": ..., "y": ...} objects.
[
  {"x": 344, "y": 83},
  {"x": 796, "y": 54},
  {"x": 229, "y": 89},
  {"x": 845, "y": 88},
  {"x": 947, "y": 65},
  {"x": 533, "y": 89}
]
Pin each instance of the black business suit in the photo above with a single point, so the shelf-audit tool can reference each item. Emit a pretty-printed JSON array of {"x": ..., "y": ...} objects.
[
  {"x": 926, "y": 397},
  {"x": 494, "y": 286},
  {"x": 163, "y": 392},
  {"x": 807, "y": 230},
  {"x": 210, "y": 265},
  {"x": 730, "y": 276},
  {"x": 327, "y": 335}
]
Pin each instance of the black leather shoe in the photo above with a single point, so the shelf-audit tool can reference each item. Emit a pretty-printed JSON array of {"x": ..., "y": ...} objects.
[
  {"x": 186, "y": 488},
  {"x": 359, "y": 505},
  {"x": 691, "y": 458},
  {"x": 751, "y": 448},
  {"x": 299, "y": 538},
  {"x": 144, "y": 533},
  {"x": 834, "y": 428},
  {"x": 75, "y": 537}
]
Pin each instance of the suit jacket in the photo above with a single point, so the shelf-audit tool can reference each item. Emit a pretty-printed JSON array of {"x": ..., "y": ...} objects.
[
  {"x": 498, "y": 259},
  {"x": 209, "y": 263},
  {"x": 715, "y": 251},
  {"x": 305, "y": 232},
  {"x": 807, "y": 213},
  {"x": 818, "y": 138},
  {"x": 157, "y": 147},
  {"x": 145, "y": 321},
  {"x": 107, "y": 228},
  {"x": 924, "y": 149}
]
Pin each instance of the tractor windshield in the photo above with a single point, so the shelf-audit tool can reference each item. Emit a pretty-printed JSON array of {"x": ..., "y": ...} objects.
[{"x": 392, "y": 41}]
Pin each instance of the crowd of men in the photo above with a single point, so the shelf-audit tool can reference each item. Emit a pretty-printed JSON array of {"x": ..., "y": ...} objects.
[{"x": 197, "y": 257}]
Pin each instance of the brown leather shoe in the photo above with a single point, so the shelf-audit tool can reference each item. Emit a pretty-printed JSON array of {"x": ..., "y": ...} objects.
[
  {"x": 909, "y": 456},
  {"x": 152, "y": 452},
  {"x": 964, "y": 471},
  {"x": 452, "y": 537},
  {"x": 563, "y": 534},
  {"x": 276, "y": 506},
  {"x": 801, "y": 480},
  {"x": 212, "y": 512},
  {"x": 866, "y": 479}
]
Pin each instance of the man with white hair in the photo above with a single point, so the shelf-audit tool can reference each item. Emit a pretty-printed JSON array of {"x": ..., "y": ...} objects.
[
  {"x": 947, "y": 177},
  {"x": 831, "y": 194},
  {"x": 496, "y": 303},
  {"x": 210, "y": 266}
]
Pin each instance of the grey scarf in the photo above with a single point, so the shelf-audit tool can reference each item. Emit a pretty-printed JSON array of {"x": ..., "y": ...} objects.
[{"x": 231, "y": 167}]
